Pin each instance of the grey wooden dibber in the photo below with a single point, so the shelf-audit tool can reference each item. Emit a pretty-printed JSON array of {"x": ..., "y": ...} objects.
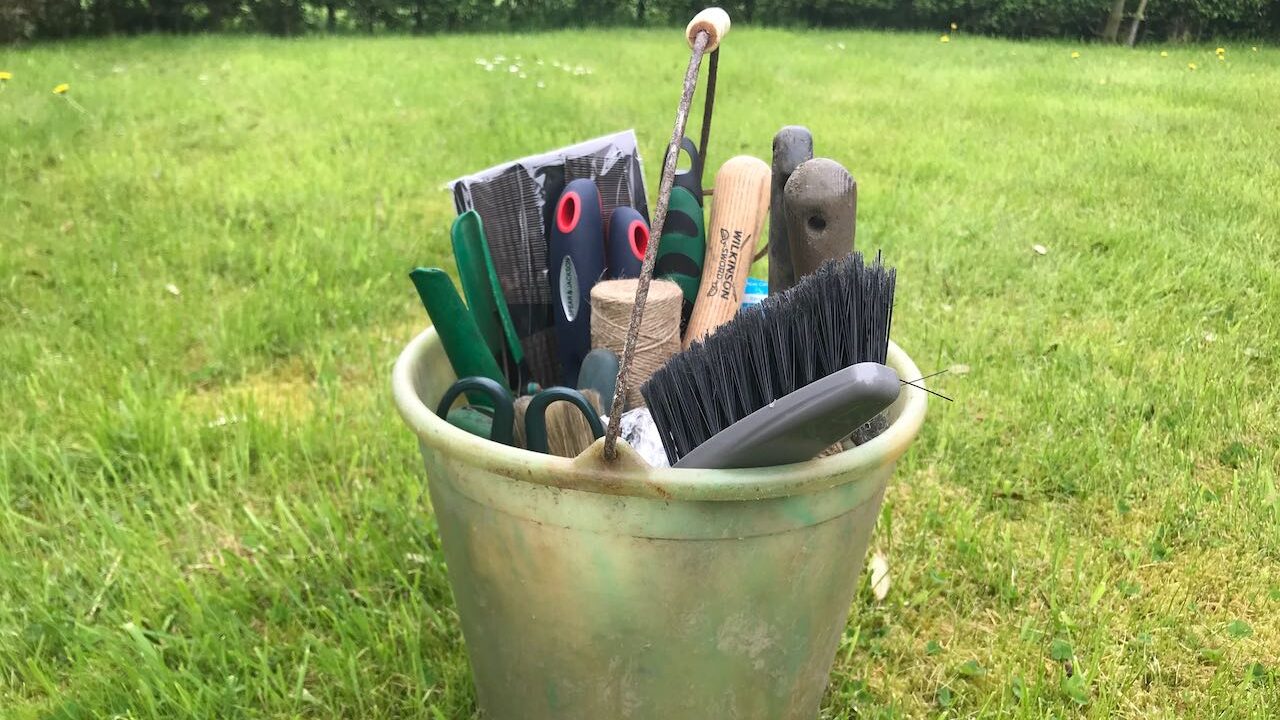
[
  {"x": 791, "y": 146},
  {"x": 821, "y": 201}
]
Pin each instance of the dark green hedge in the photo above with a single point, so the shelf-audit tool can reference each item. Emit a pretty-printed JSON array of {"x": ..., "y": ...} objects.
[{"x": 1166, "y": 19}]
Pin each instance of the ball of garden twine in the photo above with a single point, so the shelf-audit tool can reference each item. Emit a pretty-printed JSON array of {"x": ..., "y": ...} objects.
[{"x": 659, "y": 336}]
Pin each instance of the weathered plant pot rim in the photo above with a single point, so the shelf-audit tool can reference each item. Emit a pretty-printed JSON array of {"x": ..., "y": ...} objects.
[{"x": 628, "y": 475}]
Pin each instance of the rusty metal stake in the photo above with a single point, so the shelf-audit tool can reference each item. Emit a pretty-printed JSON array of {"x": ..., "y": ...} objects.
[{"x": 704, "y": 33}]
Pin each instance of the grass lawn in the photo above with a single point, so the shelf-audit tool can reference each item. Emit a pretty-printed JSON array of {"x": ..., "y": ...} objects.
[{"x": 209, "y": 507}]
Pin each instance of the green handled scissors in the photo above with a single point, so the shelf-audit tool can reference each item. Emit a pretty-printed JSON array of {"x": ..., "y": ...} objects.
[
  {"x": 499, "y": 427},
  {"x": 494, "y": 423}
]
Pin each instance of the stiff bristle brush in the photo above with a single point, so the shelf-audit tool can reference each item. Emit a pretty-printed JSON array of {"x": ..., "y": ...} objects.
[
  {"x": 566, "y": 431},
  {"x": 762, "y": 389}
]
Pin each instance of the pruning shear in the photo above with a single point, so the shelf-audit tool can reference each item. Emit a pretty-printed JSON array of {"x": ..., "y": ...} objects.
[{"x": 498, "y": 423}]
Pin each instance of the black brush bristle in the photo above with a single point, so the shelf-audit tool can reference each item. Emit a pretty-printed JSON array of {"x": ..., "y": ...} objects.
[{"x": 836, "y": 317}]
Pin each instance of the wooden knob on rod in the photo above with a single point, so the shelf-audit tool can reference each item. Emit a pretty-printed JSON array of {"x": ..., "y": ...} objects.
[{"x": 715, "y": 21}]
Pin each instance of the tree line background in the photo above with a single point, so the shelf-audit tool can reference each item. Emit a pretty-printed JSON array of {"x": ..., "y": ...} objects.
[{"x": 1161, "y": 19}]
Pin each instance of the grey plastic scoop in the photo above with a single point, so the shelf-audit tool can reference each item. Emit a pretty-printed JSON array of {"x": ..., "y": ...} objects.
[{"x": 802, "y": 424}]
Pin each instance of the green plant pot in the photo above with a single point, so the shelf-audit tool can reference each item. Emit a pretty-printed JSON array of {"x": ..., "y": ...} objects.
[{"x": 590, "y": 591}]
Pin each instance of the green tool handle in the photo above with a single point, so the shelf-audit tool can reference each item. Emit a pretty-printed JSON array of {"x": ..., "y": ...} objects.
[
  {"x": 504, "y": 312},
  {"x": 474, "y": 419},
  {"x": 504, "y": 411},
  {"x": 682, "y": 248},
  {"x": 461, "y": 338},
  {"x": 535, "y": 417},
  {"x": 468, "y": 248},
  {"x": 691, "y": 179},
  {"x": 484, "y": 295}
]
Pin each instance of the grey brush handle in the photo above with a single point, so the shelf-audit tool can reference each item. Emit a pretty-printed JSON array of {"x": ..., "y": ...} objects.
[
  {"x": 821, "y": 201},
  {"x": 791, "y": 146},
  {"x": 802, "y": 424}
]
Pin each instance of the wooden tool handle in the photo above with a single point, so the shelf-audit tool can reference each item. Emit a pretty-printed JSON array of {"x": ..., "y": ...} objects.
[
  {"x": 738, "y": 210},
  {"x": 821, "y": 201},
  {"x": 792, "y": 146},
  {"x": 715, "y": 21}
]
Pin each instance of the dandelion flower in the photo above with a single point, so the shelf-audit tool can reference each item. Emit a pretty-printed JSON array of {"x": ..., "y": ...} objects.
[
  {"x": 1221, "y": 50},
  {"x": 1075, "y": 54},
  {"x": 61, "y": 91},
  {"x": 5, "y": 76},
  {"x": 945, "y": 39},
  {"x": 1191, "y": 66},
  {"x": 1222, "y": 58},
  {"x": 954, "y": 27},
  {"x": 1164, "y": 53}
]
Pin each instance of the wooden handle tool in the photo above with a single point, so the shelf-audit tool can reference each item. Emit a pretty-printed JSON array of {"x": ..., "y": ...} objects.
[
  {"x": 791, "y": 146},
  {"x": 821, "y": 201},
  {"x": 738, "y": 209}
]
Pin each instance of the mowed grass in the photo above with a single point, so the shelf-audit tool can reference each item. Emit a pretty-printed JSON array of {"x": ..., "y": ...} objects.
[{"x": 209, "y": 507}]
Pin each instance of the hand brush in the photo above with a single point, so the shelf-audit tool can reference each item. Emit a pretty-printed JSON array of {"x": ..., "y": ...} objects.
[
  {"x": 835, "y": 318},
  {"x": 555, "y": 421},
  {"x": 802, "y": 424}
]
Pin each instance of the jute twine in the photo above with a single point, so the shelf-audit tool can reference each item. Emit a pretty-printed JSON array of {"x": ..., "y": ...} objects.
[{"x": 659, "y": 335}]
